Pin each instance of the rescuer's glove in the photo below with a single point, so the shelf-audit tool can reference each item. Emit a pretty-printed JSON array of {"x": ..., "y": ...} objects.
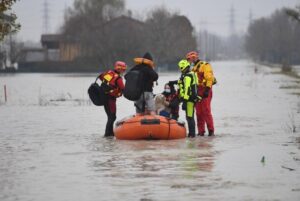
[{"x": 198, "y": 99}]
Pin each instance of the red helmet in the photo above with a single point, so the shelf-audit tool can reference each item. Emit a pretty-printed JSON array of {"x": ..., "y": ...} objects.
[
  {"x": 120, "y": 66},
  {"x": 192, "y": 56}
]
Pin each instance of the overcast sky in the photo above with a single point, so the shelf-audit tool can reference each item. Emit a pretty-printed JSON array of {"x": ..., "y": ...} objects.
[{"x": 212, "y": 15}]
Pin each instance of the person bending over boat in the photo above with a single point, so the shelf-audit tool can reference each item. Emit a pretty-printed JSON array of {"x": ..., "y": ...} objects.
[
  {"x": 113, "y": 85},
  {"x": 188, "y": 93}
]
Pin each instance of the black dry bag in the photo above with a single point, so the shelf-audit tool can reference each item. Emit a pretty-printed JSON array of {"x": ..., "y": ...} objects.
[
  {"x": 97, "y": 95},
  {"x": 134, "y": 85}
]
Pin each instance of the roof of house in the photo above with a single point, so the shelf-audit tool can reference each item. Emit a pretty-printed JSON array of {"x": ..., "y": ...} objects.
[
  {"x": 50, "y": 37},
  {"x": 51, "y": 41}
]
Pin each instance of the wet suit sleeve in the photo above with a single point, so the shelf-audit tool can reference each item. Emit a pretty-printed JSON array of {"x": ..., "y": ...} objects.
[
  {"x": 187, "y": 85},
  {"x": 153, "y": 75},
  {"x": 208, "y": 75}
]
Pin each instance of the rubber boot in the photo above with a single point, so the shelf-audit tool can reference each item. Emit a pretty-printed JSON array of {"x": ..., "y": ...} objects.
[
  {"x": 211, "y": 133},
  {"x": 109, "y": 130},
  {"x": 191, "y": 125},
  {"x": 200, "y": 134}
]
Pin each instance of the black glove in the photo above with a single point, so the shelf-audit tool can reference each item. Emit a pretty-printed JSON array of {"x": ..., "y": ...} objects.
[
  {"x": 206, "y": 92},
  {"x": 215, "y": 81},
  {"x": 184, "y": 105}
]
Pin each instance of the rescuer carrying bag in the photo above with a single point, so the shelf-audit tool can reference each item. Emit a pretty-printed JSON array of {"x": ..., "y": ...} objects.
[{"x": 97, "y": 94}]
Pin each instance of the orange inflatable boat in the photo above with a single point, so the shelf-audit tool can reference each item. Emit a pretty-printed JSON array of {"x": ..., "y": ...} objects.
[{"x": 149, "y": 127}]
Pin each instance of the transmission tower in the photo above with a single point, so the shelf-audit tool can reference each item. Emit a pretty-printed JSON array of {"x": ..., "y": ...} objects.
[
  {"x": 232, "y": 21},
  {"x": 46, "y": 24}
]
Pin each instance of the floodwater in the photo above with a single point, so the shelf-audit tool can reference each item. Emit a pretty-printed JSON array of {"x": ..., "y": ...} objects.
[{"x": 52, "y": 146}]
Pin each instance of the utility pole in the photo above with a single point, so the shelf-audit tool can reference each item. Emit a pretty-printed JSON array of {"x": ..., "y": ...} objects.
[{"x": 5, "y": 94}]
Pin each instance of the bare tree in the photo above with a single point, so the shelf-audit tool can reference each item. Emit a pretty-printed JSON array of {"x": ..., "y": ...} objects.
[
  {"x": 15, "y": 50},
  {"x": 171, "y": 35},
  {"x": 126, "y": 38},
  {"x": 181, "y": 38},
  {"x": 84, "y": 24},
  {"x": 105, "y": 35},
  {"x": 274, "y": 39},
  {"x": 294, "y": 13}
]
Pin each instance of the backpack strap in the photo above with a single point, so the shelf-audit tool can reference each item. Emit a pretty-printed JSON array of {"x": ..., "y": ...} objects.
[
  {"x": 117, "y": 80},
  {"x": 189, "y": 75}
]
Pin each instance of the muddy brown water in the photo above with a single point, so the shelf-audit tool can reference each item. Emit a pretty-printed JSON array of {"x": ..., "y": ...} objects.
[{"x": 52, "y": 146}]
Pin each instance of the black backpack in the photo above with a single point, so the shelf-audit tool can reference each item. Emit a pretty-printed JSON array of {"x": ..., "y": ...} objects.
[
  {"x": 97, "y": 94},
  {"x": 134, "y": 85}
]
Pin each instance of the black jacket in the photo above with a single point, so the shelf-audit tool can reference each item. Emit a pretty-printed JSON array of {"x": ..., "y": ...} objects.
[{"x": 149, "y": 76}]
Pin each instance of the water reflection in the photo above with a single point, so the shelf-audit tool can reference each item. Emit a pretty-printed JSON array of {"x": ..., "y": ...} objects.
[
  {"x": 201, "y": 156},
  {"x": 183, "y": 159},
  {"x": 58, "y": 152}
]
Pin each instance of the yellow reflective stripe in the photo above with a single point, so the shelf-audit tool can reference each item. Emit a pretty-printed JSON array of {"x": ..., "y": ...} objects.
[
  {"x": 190, "y": 109},
  {"x": 181, "y": 91},
  {"x": 195, "y": 77},
  {"x": 187, "y": 85},
  {"x": 108, "y": 77}
]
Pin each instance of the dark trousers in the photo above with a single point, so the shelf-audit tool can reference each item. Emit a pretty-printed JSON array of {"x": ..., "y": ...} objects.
[
  {"x": 110, "y": 109},
  {"x": 190, "y": 118}
]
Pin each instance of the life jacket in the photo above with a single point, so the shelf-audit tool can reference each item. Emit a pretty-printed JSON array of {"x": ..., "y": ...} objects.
[
  {"x": 205, "y": 74},
  {"x": 180, "y": 87},
  {"x": 188, "y": 90},
  {"x": 109, "y": 83},
  {"x": 144, "y": 61}
]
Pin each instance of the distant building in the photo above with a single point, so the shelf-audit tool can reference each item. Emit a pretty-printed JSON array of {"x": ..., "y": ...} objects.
[
  {"x": 54, "y": 48},
  {"x": 55, "y": 55},
  {"x": 50, "y": 44},
  {"x": 63, "y": 53},
  {"x": 58, "y": 48},
  {"x": 32, "y": 55}
]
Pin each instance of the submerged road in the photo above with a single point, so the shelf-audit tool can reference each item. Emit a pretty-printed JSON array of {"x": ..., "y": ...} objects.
[{"x": 52, "y": 146}]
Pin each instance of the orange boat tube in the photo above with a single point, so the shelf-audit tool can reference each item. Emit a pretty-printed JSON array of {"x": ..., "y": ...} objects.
[{"x": 149, "y": 127}]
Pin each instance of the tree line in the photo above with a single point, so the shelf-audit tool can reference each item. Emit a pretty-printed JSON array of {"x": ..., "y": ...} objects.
[
  {"x": 107, "y": 32},
  {"x": 275, "y": 39}
]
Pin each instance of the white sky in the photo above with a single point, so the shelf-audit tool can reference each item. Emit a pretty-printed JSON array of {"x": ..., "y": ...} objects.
[{"x": 212, "y": 15}]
